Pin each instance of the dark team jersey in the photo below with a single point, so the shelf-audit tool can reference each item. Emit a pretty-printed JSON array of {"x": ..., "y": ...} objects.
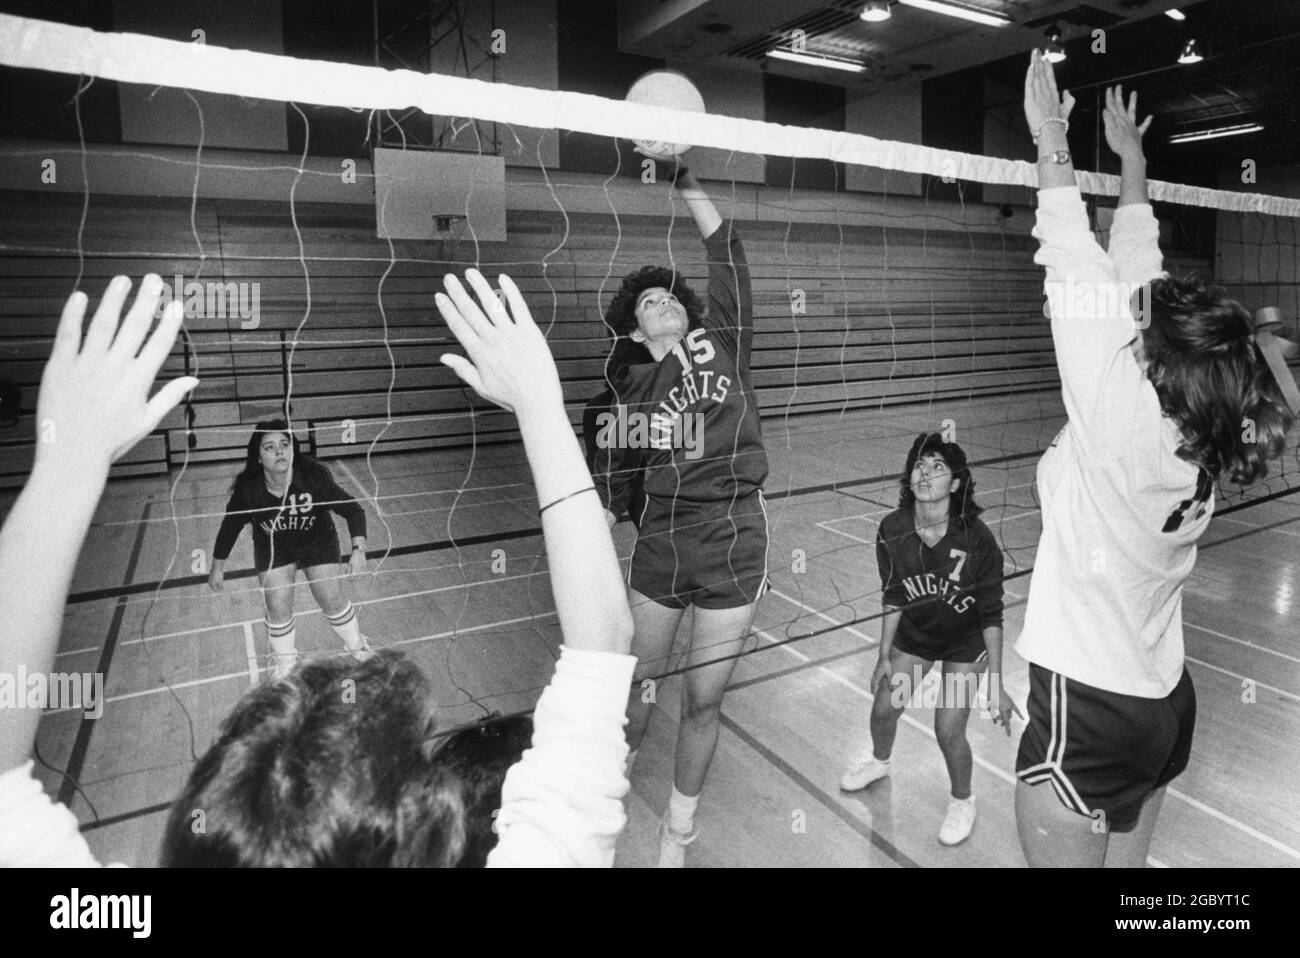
[
  {"x": 949, "y": 593},
  {"x": 692, "y": 418},
  {"x": 617, "y": 462},
  {"x": 302, "y": 521}
]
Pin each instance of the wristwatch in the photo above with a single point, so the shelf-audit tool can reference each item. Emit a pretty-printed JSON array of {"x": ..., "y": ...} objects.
[{"x": 1059, "y": 157}]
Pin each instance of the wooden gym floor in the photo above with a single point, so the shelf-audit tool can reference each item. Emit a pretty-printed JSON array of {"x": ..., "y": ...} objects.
[{"x": 480, "y": 622}]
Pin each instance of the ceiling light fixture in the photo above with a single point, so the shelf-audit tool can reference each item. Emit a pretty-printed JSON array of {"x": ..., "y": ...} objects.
[
  {"x": 953, "y": 10},
  {"x": 876, "y": 11},
  {"x": 1190, "y": 54},
  {"x": 1217, "y": 132},
  {"x": 1055, "y": 51},
  {"x": 1176, "y": 14},
  {"x": 817, "y": 60}
]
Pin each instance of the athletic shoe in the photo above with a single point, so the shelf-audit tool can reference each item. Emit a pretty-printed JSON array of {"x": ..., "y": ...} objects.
[
  {"x": 362, "y": 652},
  {"x": 959, "y": 821},
  {"x": 282, "y": 665},
  {"x": 866, "y": 770},
  {"x": 672, "y": 846}
]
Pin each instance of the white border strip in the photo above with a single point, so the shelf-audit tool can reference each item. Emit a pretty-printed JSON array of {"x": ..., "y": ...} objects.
[{"x": 135, "y": 58}]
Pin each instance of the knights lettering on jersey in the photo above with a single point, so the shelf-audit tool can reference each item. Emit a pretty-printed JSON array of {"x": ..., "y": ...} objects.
[
  {"x": 928, "y": 584},
  {"x": 290, "y": 523},
  {"x": 295, "y": 516}
]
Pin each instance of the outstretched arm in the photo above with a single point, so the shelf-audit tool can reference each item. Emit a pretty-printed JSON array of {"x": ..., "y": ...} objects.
[
  {"x": 1048, "y": 117},
  {"x": 1134, "y": 235},
  {"x": 705, "y": 214},
  {"x": 1092, "y": 322},
  {"x": 731, "y": 310},
  {"x": 562, "y": 804},
  {"x": 510, "y": 364},
  {"x": 94, "y": 406}
]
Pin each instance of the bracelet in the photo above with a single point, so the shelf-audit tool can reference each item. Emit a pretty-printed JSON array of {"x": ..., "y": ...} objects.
[
  {"x": 564, "y": 498},
  {"x": 1054, "y": 119}
]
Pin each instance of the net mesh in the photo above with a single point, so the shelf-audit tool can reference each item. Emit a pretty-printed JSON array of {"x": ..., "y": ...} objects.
[{"x": 877, "y": 315}]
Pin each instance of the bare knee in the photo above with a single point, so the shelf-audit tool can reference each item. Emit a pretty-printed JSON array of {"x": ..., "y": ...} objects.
[
  {"x": 699, "y": 712},
  {"x": 950, "y": 732},
  {"x": 279, "y": 606}
]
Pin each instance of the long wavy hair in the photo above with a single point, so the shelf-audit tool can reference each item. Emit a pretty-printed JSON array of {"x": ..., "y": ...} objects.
[
  {"x": 250, "y": 477},
  {"x": 961, "y": 504},
  {"x": 1212, "y": 380}
]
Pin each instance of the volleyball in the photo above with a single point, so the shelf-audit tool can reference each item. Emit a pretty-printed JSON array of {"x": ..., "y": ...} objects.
[{"x": 673, "y": 91}]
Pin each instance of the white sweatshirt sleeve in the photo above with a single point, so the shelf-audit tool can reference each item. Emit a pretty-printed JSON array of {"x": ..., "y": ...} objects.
[
  {"x": 1092, "y": 321},
  {"x": 1134, "y": 246},
  {"x": 562, "y": 803},
  {"x": 36, "y": 832}
]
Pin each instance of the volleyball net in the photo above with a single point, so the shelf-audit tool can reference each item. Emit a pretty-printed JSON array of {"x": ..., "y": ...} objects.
[{"x": 894, "y": 292}]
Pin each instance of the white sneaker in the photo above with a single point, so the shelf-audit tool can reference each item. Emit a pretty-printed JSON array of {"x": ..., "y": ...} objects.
[
  {"x": 868, "y": 769},
  {"x": 282, "y": 665},
  {"x": 959, "y": 821},
  {"x": 672, "y": 846},
  {"x": 362, "y": 652}
]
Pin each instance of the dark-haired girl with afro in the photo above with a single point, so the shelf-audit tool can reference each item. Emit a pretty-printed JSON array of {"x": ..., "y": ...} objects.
[
  {"x": 1164, "y": 394},
  {"x": 685, "y": 424},
  {"x": 289, "y": 498},
  {"x": 941, "y": 578}
]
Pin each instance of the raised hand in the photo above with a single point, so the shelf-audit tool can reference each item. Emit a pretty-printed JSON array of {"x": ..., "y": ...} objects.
[
  {"x": 1123, "y": 133},
  {"x": 1042, "y": 103},
  {"x": 509, "y": 362},
  {"x": 94, "y": 401}
]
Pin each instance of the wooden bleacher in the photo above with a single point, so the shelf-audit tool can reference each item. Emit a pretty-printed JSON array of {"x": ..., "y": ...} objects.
[{"x": 892, "y": 316}]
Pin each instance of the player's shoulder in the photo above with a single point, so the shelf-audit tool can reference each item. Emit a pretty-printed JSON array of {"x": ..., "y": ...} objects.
[
  {"x": 315, "y": 475},
  {"x": 896, "y": 523},
  {"x": 981, "y": 533}
]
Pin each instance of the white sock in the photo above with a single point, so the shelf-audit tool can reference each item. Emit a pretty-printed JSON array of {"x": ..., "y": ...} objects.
[
  {"x": 681, "y": 812},
  {"x": 347, "y": 628},
  {"x": 281, "y": 637}
]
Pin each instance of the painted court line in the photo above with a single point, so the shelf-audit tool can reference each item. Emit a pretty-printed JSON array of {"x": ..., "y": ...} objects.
[
  {"x": 313, "y": 611},
  {"x": 1250, "y": 645},
  {"x": 252, "y": 664},
  {"x": 882, "y": 512},
  {"x": 1010, "y": 779},
  {"x": 250, "y": 647},
  {"x": 1281, "y": 532},
  {"x": 1245, "y": 678}
]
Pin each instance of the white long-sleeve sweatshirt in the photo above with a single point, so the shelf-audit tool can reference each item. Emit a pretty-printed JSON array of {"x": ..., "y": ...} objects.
[
  {"x": 562, "y": 803},
  {"x": 1121, "y": 512}
]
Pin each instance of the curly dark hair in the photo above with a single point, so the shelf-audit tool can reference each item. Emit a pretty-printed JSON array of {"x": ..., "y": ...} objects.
[
  {"x": 620, "y": 316},
  {"x": 961, "y": 504},
  {"x": 1211, "y": 378}
]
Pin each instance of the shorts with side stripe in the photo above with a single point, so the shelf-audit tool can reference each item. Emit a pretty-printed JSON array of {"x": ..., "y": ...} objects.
[
  {"x": 966, "y": 651},
  {"x": 712, "y": 555},
  {"x": 1104, "y": 752}
]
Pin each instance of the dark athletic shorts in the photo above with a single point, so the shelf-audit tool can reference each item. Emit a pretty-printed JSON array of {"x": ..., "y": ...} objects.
[
  {"x": 319, "y": 550},
  {"x": 965, "y": 652},
  {"x": 708, "y": 554},
  {"x": 1104, "y": 752}
]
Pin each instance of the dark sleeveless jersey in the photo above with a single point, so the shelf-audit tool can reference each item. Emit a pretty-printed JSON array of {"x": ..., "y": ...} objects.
[
  {"x": 949, "y": 593},
  {"x": 690, "y": 421},
  {"x": 301, "y": 522}
]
